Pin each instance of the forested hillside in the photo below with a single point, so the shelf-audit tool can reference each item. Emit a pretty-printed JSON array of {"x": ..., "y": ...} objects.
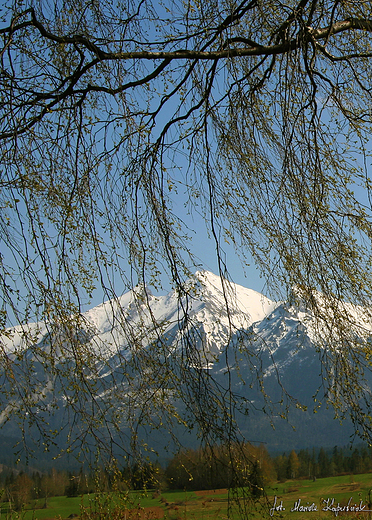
[{"x": 188, "y": 470}]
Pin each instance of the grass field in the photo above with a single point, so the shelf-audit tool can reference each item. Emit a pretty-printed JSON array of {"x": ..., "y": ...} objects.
[{"x": 294, "y": 499}]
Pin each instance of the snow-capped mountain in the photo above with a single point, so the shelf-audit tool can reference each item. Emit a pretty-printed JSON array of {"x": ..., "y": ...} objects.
[
  {"x": 205, "y": 304},
  {"x": 144, "y": 356}
]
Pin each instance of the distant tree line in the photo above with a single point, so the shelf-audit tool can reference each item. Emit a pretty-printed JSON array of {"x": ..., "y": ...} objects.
[
  {"x": 323, "y": 463},
  {"x": 20, "y": 487},
  {"x": 209, "y": 469},
  {"x": 192, "y": 469},
  {"x": 216, "y": 467}
]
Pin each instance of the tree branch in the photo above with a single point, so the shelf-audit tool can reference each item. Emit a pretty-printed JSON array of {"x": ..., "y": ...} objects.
[
  {"x": 254, "y": 49},
  {"x": 338, "y": 27}
]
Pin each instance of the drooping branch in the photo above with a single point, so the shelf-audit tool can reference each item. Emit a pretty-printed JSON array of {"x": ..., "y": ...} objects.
[
  {"x": 70, "y": 86},
  {"x": 103, "y": 120}
]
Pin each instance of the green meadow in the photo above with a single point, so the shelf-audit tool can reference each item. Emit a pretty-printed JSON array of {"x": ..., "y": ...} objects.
[{"x": 293, "y": 499}]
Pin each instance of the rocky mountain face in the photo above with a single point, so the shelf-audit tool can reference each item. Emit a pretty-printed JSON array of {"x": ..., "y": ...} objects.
[{"x": 135, "y": 355}]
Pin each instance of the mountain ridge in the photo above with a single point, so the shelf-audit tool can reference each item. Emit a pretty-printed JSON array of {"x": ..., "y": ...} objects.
[{"x": 260, "y": 350}]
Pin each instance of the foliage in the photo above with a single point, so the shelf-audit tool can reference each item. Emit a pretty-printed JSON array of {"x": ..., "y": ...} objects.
[
  {"x": 323, "y": 463},
  {"x": 221, "y": 467},
  {"x": 144, "y": 476},
  {"x": 101, "y": 493},
  {"x": 120, "y": 118}
]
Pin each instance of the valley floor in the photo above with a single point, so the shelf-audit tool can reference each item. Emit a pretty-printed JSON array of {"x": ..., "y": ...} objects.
[{"x": 347, "y": 496}]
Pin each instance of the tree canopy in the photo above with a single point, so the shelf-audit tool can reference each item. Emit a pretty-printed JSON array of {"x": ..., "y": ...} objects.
[{"x": 118, "y": 118}]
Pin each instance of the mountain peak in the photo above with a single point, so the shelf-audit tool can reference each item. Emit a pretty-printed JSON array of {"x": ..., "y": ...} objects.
[
  {"x": 193, "y": 327},
  {"x": 254, "y": 305}
]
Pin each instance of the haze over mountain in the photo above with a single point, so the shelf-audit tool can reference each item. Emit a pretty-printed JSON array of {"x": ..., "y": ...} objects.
[{"x": 263, "y": 350}]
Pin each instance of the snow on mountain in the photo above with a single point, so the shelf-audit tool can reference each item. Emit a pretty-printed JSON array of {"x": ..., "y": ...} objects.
[
  {"x": 215, "y": 308},
  {"x": 138, "y": 318},
  {"x": 205, "y": 290},
  {"x": 259, "y": 337},
  {"x": 120, "y": 322}
]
